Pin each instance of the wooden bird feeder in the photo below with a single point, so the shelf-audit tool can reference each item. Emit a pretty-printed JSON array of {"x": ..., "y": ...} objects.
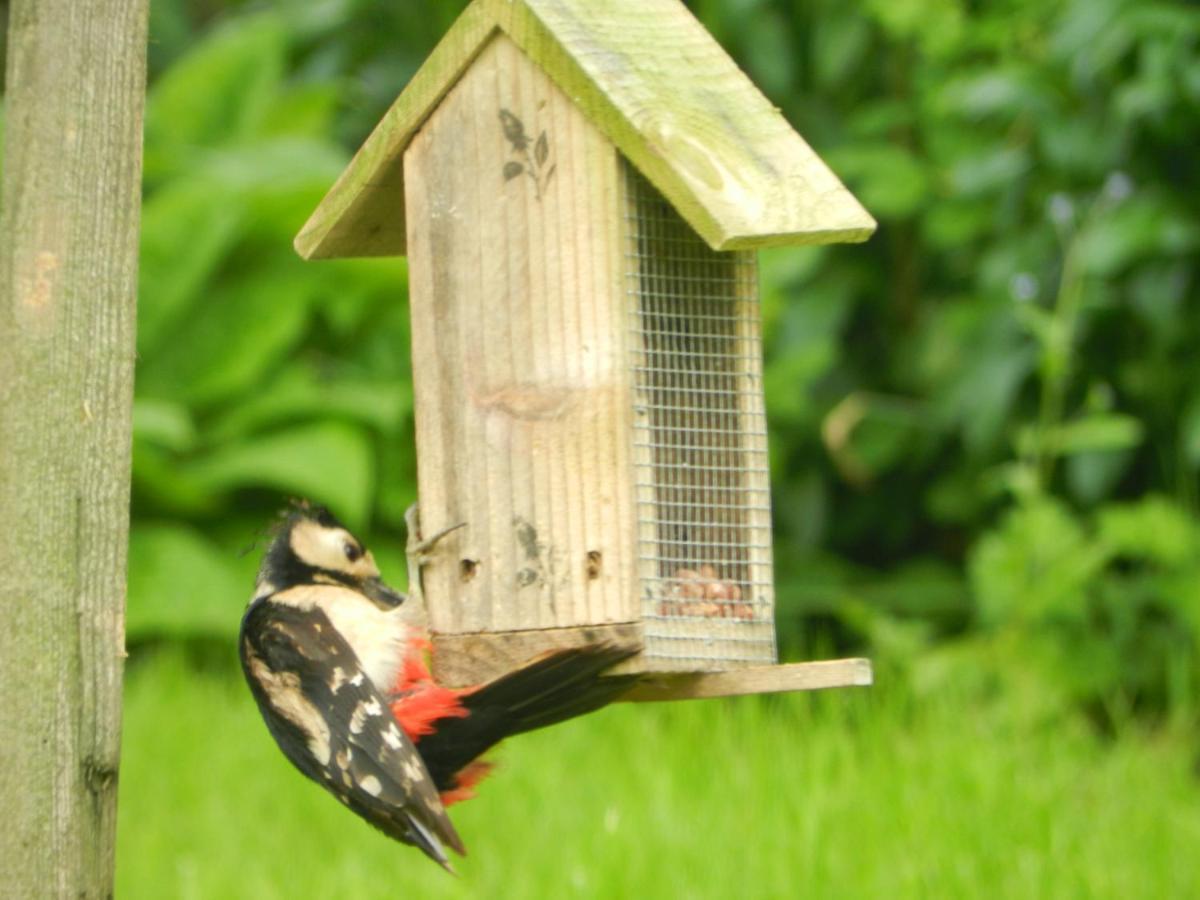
[{"x": 579, "y": 187}]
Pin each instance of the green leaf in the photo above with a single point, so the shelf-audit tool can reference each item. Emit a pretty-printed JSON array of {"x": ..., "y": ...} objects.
[
  {"x": 328, "y": 462},
  {"x": 1039, "y": 321},
  {"x": 890, "y": 180},
  {"x": 1138, "y": 228},
  {"x": 1002, "y": 91},
  {"x": 1153, "y": 528},
  {"x": 1037, "y": 566},
  {"x": 1081, "y": 145},
  {"x": 981, "y": 400},
  {"x": 1092, "y": 475},
  {"x": 180, "y": 584},
  {"x": 306, "y": 111},
  {"x": 1189, "y": 431},
  {"x": 1157, "y": 293},
  {"x": 804, "y": 349},
  {"x": 232, "y": 337},
  {"x": 298, "y": 394},
  {"x": 842, "y": 38},
  {"x": 159, "y": 483},
  {"x": 356, "y": 293},
  {"x": 187, "y": 229},
  {"x": 922, "y": 587},
  {"x": 284, "y": 165},
  {"x": 163, "y": 423},
  {"x": 277, "y": 181},
  {"x": 1111, "y": 431},
  {"x": 990, "y": 171},
  {"x": 955, "y": 221},
  {"x": 220, "y": 92},
  {"x": 772, "y": 64}
]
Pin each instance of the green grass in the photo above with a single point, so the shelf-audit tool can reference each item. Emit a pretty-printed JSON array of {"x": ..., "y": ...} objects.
[{"x": 849, "y": 794}]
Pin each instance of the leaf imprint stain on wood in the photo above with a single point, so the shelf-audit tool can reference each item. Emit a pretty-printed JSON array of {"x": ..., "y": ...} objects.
[
  {"x": 527, "y": 538},
  {"x": 44, "y": 267},
  {"x": 533, "y": 164}
]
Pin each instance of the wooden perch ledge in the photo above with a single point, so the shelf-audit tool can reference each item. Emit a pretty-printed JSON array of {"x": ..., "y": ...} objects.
[{"x": 809, "y": 676}]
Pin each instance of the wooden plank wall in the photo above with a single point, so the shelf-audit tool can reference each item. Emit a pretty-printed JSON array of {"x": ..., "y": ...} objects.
[{"x": 522, "y": 394}]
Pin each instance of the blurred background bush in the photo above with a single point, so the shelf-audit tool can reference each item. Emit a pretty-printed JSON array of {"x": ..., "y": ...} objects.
[{"x": 985, "y": 423}]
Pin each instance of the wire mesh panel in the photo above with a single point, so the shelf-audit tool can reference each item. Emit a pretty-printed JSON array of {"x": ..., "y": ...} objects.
[{"x": 700, "y": 444}]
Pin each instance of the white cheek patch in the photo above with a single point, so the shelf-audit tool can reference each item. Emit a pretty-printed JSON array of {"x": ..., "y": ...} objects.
[
  {"x": 318, "y": 546},
  {"x": 325, "y": 548}
]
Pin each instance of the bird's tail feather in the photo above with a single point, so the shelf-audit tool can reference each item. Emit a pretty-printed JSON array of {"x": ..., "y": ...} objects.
[
  {"x": 550, "y": 689},
  {"x": 554, "y": 687}
]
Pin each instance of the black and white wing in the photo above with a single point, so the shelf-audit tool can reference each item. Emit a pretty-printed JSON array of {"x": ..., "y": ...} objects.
[{"x": 333, "y": 723}]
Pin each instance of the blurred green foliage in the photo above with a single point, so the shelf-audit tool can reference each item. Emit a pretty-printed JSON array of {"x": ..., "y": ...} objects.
[{"x": 985, "y": 423}]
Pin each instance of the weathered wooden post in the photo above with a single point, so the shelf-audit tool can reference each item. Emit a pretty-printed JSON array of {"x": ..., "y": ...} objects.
[
  {"x": 579, "y": 188},
  {"x": 69, "y": 212}
]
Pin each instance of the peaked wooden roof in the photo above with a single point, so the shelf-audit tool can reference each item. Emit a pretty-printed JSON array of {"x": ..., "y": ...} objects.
[{"x": 657, "y": 85}]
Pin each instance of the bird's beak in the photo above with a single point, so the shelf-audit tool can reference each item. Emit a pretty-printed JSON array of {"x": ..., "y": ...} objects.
[{"x": 381, "y": 594}]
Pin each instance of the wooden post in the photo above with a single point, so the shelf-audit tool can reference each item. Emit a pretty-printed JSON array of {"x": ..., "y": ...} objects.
[{"x": 69, "y": 213}]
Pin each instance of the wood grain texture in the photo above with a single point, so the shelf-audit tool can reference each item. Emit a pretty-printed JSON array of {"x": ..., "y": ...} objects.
[
  {"x": 464, "y": 660},
  {"x": 68, "y": 272},
  {"x": 658, "y": 86},
  {"x": 522, "y": 395},
  {"x": 810, "y": 676}
]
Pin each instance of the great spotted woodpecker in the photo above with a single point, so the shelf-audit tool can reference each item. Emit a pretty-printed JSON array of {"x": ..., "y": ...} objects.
[{"x": 336, "y": 661}]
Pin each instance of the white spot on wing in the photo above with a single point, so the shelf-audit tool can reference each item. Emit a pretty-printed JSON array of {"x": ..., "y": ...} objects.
[
  {"x": 412, "y": 772},
  {"x": 337, "y": 679},
  {"x": 286, "y": 698},
  {"x": 391, "y": 737},
  {"x": 371, "y": 785}
]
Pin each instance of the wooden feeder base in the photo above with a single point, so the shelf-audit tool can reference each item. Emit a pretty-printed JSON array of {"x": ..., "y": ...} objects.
[
  {"x": 808, "y": 676},
  {"x": 461, "y": 660}
]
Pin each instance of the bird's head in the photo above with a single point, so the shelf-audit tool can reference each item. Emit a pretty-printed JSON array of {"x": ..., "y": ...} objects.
[{"x": 310, "y": 546}]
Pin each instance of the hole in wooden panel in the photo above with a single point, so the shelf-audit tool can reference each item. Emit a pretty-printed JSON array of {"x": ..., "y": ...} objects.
[
  {"x": 593, "y": 564},
  {"x": 467, "y": 569}
]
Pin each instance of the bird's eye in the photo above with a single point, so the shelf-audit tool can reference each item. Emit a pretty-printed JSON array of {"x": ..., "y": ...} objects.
[{"x": 352, "y": 551}]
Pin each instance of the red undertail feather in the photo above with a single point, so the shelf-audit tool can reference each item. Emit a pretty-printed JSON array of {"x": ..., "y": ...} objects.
[
  {"x": 466, "y": 779},
  {"x": 420, "y": 702},
  {"x": 452, "y": 728}
]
